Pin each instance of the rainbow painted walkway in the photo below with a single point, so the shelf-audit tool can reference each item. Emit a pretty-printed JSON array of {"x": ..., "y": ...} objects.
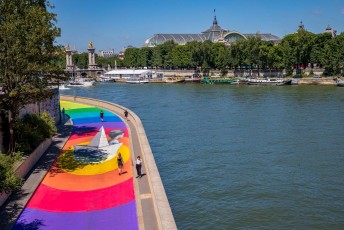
[{"x": 79, "y": 195}]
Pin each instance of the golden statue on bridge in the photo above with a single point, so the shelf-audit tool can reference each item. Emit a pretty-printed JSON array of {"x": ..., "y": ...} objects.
[{"x": 90, "y": 45}]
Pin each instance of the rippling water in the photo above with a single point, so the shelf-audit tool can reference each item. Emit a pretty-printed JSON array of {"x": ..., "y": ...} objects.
[{"x": 243, "y": 156}]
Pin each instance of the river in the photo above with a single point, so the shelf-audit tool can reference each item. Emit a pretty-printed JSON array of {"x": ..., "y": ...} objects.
[{"x": 238, "y": 156}]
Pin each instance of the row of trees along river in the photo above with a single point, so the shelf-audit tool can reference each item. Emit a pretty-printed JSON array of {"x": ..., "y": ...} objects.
[{"x": 296, "y": 50}]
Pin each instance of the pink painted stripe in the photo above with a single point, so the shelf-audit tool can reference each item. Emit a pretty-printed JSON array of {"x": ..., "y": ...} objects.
[{"x": 55, "y": 200}]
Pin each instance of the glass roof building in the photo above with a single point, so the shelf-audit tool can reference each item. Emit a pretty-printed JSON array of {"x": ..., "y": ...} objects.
[{"x": 214, "y": 34}]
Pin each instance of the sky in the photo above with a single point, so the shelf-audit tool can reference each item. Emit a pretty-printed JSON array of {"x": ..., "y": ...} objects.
[{"x": 115, "y": 24}]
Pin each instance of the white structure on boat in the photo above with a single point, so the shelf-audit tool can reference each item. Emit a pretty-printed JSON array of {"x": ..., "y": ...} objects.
[{"x": 130, "y": 73}]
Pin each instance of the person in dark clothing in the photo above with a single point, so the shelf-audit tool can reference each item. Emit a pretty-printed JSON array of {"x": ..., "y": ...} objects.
[
  {"x": 126, "y": 114},
  {"x": 138, "y": 166},
  {"x": 101, "y": 115},
  {"x": 120, "y": 163}
]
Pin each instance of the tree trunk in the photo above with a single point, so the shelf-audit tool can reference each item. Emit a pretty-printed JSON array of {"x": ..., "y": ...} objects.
[{"x": 11, "y": 132}]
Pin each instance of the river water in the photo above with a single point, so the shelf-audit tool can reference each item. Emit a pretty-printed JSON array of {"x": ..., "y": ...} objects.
[{"x": 261, "y": 157}]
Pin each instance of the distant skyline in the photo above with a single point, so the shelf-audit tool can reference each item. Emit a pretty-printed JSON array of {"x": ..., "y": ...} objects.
[{"x": 118, "y": 24}]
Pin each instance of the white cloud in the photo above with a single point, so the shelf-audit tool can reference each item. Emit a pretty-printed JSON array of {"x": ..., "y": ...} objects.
[{"x": 316, "y": 12}]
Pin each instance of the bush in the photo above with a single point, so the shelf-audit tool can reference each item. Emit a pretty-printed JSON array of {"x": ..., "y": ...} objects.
[
  {"x": 9, "y": 180},
  {"x": 32, "y": 130}
]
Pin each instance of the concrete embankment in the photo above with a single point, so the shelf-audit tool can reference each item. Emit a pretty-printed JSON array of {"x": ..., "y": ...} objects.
[{"x": 153, "y": 208}]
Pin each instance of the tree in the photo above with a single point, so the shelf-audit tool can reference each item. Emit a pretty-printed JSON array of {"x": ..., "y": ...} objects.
[
  {"x": 9, "y": 180},
  {"x": 180, "y": 56},
  {"x": 195, "y": 50},
  {"x": 81, "y": 60},
  {"x": 27, "y": 55},
  {"x": 145, "y": 57},
  {"x": 320, "y": 40},
  {"x": 333, "y": 55},
  {"x": 131, "y": 57}
]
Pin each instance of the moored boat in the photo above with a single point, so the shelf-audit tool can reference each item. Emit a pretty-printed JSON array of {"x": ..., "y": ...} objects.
[
  {"x": 137, "y": 80},
  {"x": 82, "y": 82},
  {"x": 340, "y": 84},
  {"x": 286, "y": 82},
  {"x": 63, "y": 87},
  {"x": 173, "y": 79},
  {"x": 264, "y": 81}
]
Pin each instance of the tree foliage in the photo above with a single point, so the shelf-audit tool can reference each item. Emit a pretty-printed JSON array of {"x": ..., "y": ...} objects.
[
  {"x": 297, "y": 50},
  {"x": 28, "y": 54},
  {"x": 9, "y": 180}
]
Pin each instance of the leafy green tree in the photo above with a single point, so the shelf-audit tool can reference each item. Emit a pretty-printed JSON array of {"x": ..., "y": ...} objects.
[
  {"x": 289, "y": 54},
  {"x": 27, "y": 55},
  {"x": 220, "y": 56},
  {"x": 9, "y": 180},
  {"x": 320, "y": 40},
  {"x": 131, "y": 57},
  {"x": 297, "y": 49},
  {"x": 333, "y": 55},
  {"x": 145, "y": 57},
  {"x": 238, "y": 53},
  {"x": 195, "y": 52},
  {"x": 157, "y": 60},
  {"x": 275, "y": 57},
  {"x": 166, "y": 53},
  {"x": 181, "y": 56},
  {"x": 80, "y": 60}
]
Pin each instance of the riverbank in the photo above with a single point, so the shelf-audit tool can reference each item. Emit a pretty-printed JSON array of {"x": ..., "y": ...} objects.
[{"x": 299, "y": 81}]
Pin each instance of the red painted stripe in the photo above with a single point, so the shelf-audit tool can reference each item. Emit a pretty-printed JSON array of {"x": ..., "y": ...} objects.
[{"x": 54, "y": 200}]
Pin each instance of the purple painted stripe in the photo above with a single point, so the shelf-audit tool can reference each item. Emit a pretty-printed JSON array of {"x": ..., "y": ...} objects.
[
  {"x": 97, "y": 125},
  {"x": 120, "y": 217}
]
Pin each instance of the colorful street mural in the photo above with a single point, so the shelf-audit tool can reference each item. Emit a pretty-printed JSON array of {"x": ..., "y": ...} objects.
[{"x": 84, "y": 190}]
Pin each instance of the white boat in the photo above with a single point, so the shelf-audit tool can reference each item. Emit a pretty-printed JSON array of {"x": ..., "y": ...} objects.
[
  {"x": 63, "y": 87},
  {"x": 82, "y": 82},
  {"x": 265, "y": 81},
  {"x": 340, "y": 84},
  {"x": 134, "y": 80},
  {"x": 104, "y": 78},
  {"x": 235, "y": 82}
]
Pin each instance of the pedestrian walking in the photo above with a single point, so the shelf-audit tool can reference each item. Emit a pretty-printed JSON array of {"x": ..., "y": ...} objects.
[
  {"x": 126, "y": 114},
  {"x": 63, "y": 114},
  {"x": 120, "y": 163},
  {"x": 101, "y": 115},
  {"x": 138, "y": 166}
]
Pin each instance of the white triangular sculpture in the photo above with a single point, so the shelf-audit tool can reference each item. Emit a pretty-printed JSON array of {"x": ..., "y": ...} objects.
[
  {"x": 99, "y": 149},
  {"x": 99, "y": 140}
]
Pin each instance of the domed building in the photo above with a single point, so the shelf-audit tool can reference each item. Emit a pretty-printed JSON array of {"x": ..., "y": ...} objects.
[{"x": 214, "y": 34}]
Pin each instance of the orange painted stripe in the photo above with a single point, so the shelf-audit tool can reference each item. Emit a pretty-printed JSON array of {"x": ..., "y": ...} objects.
[{"x": 59, "y": 179}]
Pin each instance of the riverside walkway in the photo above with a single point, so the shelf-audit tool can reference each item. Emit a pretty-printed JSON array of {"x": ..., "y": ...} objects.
[{"x": 90, "y": 194}]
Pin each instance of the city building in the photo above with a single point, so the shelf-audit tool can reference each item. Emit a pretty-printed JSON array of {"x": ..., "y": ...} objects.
[
  {"x": 214, "y": 34},
  {"x": 328, "y": 29},
  {"x": 107, "y": 54}
]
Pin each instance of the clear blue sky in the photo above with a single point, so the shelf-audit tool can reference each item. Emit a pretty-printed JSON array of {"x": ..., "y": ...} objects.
[{"x": 119, "y": 23}]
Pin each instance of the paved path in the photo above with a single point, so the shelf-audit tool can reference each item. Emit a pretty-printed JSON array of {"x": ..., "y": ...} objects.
[
  {"x": 79, "y": 195},
  {"x": 48, "y": 208}
]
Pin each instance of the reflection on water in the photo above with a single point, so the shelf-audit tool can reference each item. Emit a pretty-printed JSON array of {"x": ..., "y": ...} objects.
[{"x": 243, "y": 156}]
